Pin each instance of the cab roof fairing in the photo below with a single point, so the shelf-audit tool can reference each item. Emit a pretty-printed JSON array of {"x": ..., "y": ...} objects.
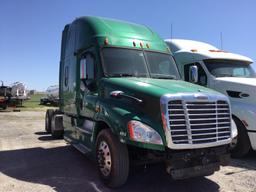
[
  {"x": 118, "y": 33},
  {"x": 202, "y": 51}
]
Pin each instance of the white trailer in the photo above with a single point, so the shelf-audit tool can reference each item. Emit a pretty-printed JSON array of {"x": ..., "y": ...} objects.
[
  {"x": 19, "y": 91},
  {"x": 52, "y": 96},
  {"x": 229, "y": 73}
]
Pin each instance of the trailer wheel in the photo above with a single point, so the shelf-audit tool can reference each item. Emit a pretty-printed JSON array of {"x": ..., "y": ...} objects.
[
  {"x": 242, "y": 145},
  {"x": 48, "y": 119},
  {"x": 112, "y": 159}
]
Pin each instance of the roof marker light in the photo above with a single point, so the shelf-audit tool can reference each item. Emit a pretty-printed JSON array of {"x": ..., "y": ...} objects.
[
  {"x": 147, "y": 45},
  {"x": 218, "y": 51},
  {"x": 134, "y": 44},
  {"x": 106, "y": 41},
  {"x": 141, "y": 45},
  {"x": 193, "y": 50}
]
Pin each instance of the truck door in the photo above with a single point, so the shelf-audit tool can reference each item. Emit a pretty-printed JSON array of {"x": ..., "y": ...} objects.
[{"x": 86, "y": 100}]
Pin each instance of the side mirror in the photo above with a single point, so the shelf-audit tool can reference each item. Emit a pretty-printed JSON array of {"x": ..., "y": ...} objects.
[{"x": 193, "y": 74}]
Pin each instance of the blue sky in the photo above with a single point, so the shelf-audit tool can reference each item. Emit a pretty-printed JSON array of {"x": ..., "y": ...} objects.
[{"x": 30, "y": 30}]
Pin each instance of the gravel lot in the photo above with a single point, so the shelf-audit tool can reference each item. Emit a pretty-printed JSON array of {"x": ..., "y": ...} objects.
[{"x": 31, "y": 161}]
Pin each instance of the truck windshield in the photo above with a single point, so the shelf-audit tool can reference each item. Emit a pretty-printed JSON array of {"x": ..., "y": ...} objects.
[
  {"x": 230, "y": 68},
  {"x": 120, "y": 62}
]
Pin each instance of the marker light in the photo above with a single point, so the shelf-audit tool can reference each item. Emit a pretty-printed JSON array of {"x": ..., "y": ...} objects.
[
  {"x": 218, "y": 51},
  {"x": 141, "y": 45},
  {"x": 164, "y": 120},
  {"x": 245, "y": 123},
  {"x": 106, "y": 41},
  {"x": 193, "y": 50},
  {"x": 134, "y": 44},
  {"x": 141, "y": 132},
  {"x": 147, "y": 45}
]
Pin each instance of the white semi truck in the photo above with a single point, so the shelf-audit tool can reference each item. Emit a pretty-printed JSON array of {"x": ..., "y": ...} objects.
[{"x": 229, "y": 73}]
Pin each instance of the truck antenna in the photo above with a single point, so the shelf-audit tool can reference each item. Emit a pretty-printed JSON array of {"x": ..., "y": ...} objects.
[
  {"x": 221, "y": 41},
  {"x": 171, "y": 31},
  {"x": 2, "y": 83}
]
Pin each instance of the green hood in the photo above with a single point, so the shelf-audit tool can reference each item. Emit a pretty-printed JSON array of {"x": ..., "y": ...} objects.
[{"x": 157, "y": 87}]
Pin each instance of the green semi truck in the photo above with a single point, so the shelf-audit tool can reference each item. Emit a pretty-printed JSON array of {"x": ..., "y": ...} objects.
[{"x": 122, "y": 100}]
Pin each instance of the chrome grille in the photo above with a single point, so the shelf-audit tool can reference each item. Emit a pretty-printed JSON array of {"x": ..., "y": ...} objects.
[{"x": 198, "y": 122}]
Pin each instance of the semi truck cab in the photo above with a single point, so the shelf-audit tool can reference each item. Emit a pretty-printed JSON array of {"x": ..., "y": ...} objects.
[
  {"x": 229, "y": 73},
  {"x": 122, "y": 100}
]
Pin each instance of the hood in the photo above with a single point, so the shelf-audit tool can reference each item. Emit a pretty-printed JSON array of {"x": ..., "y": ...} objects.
[
  {"x": 157, "y": 87},
  {"x": 236, "y": 86},
  {"x": 238, "y": 80}
]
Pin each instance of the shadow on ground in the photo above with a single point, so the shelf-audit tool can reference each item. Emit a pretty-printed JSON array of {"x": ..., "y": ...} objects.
[
  {"x": 246, "y": 163},
  {"x": 41, "y": 133},
  {"x": 5, "y": 110},
  {"x": 66, "y": 169}
]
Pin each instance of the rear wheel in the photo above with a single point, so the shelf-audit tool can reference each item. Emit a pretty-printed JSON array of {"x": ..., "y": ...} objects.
[
  {"x": 242, "y": 142},
  {"x": 57, "y": 125},
  {"x": 57, "y": 134},
  {"x": 48, "y": 118},
  {"x": 112, "y": 159}
]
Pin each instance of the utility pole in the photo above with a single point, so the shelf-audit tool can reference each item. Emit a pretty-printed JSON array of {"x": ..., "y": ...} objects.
[{"x": 221, "y": 41}]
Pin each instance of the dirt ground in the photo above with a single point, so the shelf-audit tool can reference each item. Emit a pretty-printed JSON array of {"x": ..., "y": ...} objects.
[{"x": 31, "y": 161}]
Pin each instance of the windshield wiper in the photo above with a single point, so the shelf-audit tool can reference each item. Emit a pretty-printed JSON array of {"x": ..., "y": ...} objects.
[
  {"x": 224, "y": 75},
  {"x": 161, "y": 76},
  {"x": 122, "y": 75}
]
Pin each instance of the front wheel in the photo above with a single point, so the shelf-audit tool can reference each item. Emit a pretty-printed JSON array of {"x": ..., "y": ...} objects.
[
  {"x": 241, "y": 144},
  {"x": 112, "y": 159}
]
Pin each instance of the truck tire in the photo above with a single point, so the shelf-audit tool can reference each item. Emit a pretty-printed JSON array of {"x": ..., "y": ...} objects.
[
  {"x": 243, "y": 145},
  {"x": 48, "y": 119},
  {"x": 112, "y": 159},
  {"x": 57, "y": 134},
  {"x": 57, "y": 125}
]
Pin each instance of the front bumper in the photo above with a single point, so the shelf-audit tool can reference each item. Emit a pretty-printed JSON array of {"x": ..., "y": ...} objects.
[
  {"x": 198, "y": 162},
  {"x": 197, "y": 171}
]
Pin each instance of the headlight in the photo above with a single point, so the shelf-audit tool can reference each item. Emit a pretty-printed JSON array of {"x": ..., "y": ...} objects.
[
  {"x": 143, "y": 133},
  {"x": 234, "y": 131}
]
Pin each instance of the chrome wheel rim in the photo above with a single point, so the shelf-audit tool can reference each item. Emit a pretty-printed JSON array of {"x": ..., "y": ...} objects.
[{"x": 104, "y": 158}]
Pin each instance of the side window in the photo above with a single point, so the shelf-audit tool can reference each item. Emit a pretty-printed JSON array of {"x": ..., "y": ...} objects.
[
  {"x": 202, "y": 77},
  {"x": 66, "y": 75},
  {"x": 87, "y": 70}
]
